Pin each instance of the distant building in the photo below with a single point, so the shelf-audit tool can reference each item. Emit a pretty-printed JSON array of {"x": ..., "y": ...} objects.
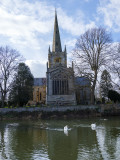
[
  {"x": 83, "y": 90},
  {"x": 60, "y": 86},
  {"x": 39, "y": 90}
]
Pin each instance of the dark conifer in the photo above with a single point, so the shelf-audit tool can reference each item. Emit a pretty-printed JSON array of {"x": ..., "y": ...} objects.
[
  {"x": 21, "y": 90},
  {"x": 105, "y": 83}
]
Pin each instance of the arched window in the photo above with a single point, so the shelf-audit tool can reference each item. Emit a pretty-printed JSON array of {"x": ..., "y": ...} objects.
[
  {"x": 40, "y": 96},
  {"x": 60, "y": 86},
  {"x": 58, "y": 60},
  {"x": 37, "y": 95}
]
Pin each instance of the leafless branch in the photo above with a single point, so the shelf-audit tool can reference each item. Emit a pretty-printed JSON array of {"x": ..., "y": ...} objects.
[
  {"x": 91, "y": 52},
  {"x": 9, "y": 60}
]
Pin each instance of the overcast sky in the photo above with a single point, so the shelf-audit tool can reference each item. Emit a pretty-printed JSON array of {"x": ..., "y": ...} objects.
[{"x": 27, "y": 25}]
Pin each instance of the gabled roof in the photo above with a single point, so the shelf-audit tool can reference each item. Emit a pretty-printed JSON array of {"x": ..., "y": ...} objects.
[{"x": 39, "y": 81}]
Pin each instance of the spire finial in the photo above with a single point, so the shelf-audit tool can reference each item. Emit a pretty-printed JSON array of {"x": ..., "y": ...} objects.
[
  {"x": 49, "y": 49},
  {"x": 55, "y": 11},
  {"x": 65, "y": 49}
]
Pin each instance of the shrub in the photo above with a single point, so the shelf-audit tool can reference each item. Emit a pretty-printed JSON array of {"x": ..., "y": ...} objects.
[{"x": 114, "y": 96}]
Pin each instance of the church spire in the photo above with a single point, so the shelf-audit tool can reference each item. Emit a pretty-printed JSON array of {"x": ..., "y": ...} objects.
[{"x": 56, "y": 37}]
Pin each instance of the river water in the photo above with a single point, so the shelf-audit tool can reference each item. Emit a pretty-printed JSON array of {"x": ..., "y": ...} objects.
[{"x": 47, "y": 140}]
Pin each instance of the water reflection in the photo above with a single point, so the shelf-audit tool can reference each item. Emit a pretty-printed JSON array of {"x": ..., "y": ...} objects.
[{"x": 46, "y": 140}]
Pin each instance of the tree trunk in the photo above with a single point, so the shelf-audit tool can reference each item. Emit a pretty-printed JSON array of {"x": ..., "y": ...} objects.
[
  {"x": 93, "y": 89},
  {"x": 3, "y": 99},
  {"x": 92, "y": 95}
]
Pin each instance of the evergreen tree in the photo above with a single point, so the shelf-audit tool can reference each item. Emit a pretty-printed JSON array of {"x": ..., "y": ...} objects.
[
  {"x": 21, "y": 89},
  {"x": 105, "y": 83},
  {"x": 114, "y": 96}
]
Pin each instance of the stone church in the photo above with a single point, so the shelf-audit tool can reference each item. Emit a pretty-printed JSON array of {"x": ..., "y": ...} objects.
[
  {"x": 62, "y": 87},
  {"x": 60, "y": 79}
]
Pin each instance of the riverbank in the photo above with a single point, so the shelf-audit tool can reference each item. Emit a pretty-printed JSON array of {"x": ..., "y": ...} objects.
[{"x": 58, "y": 112}]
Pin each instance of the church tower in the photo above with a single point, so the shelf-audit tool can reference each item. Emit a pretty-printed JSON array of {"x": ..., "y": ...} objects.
[
  {"x": 60, "y": 79},
  {"x": 56, "y": 57}
]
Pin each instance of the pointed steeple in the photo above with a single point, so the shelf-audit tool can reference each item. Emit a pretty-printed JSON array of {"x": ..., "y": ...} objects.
[
  {"x": 49, "y": 49},
  {"x": 65, "y": 49},
  {"x": 56, "y": 37}
]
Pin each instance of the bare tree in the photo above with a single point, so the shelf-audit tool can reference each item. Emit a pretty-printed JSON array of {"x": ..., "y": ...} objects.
[
  {"x": 91, "y": 53},
  {"x": 9, "y": 60},
  {"x": 114, "y": 68}
]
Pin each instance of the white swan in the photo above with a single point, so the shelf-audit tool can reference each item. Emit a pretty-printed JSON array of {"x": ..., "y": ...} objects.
[
  {"x": 66, "y": 130},
  {"x": 93, "y": 126},
  {"x": 105, "y": 119}
]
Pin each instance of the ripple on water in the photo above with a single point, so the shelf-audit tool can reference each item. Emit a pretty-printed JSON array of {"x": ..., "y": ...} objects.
[{"x": 46, "y": 140}]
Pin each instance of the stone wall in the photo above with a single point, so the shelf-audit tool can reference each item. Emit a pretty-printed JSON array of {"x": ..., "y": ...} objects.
[{"x": 47, "y": 109}]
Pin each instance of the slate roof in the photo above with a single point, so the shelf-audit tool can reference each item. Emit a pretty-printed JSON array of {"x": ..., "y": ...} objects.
[
  {"x": 39, "y": 81},
  {"x": 82, "y": 81}
]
